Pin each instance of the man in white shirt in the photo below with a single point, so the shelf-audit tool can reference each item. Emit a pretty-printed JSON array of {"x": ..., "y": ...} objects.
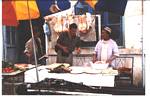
[{"x": 106, "y": 49}]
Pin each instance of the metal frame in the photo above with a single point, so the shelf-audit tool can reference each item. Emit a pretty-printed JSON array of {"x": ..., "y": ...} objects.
[{"x": 132, "y": 66}]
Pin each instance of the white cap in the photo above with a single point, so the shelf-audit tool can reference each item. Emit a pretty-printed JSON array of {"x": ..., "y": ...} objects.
[{"x": 107, "y": 29}]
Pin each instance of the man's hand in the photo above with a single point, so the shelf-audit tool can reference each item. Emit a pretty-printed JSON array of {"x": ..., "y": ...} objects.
[
  {"x": 28, "y": 54},
  {"x": 65, "y": 49},
  {"x": 78, "y": 50},
  {"x": 109, "y": 61},
  {"x": 94, "y": 58}
]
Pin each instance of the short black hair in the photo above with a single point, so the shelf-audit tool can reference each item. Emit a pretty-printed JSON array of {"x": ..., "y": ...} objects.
[{"x": 73, "y": 25}]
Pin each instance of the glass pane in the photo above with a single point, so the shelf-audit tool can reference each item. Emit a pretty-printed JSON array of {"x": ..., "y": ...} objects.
[
  {"x": 117, "y": 34},
  {"x": 8, "y": 35},
  {"x": 114, "y": 21},
  {"x": 13, "y": 36},
  {"x": 114, "y": 18},
  {"x": 104, "y": 18}
]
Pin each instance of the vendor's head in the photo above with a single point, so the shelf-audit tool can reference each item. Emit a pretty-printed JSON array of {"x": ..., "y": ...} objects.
[
  {"x": 36, "y": 32},
  {"x": 73, "y": 29},
  {"x": 106, "y": 32}
]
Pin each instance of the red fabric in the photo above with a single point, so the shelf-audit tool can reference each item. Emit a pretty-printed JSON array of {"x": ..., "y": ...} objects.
[{"x": 8, "y": 14}]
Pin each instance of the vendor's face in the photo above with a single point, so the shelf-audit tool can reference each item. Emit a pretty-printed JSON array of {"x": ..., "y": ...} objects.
[
  {"x": 104, "y": 35},
  {"x": 73, "y": 32}
]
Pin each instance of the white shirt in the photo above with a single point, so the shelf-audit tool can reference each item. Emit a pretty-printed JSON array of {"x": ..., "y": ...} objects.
[
  {"x": 104, "y": 52},
  {"x": 105, "y": 49}
]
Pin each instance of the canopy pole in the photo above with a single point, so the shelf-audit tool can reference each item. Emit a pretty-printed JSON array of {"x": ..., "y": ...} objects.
[
  {"x": 34, "y": 50},
  {"x": 143, "y": 60}
]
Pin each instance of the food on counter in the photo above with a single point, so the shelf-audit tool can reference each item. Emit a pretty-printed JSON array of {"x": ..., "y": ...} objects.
[
  {"x": 55, "y": 65},
  {"x": 8, "y": 70},
  {"x": 109, "y": 71},
  {"x": 21, "y": 66},
  {"x": 7, "y": 67},
  {"x": 60, "y": 69}
]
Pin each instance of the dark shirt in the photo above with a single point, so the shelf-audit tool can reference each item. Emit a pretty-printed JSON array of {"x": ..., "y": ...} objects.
[{"x": 67, "y": 42}]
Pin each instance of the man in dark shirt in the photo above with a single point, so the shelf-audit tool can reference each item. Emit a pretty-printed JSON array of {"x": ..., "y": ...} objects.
[{"x": 66, "y": 44}]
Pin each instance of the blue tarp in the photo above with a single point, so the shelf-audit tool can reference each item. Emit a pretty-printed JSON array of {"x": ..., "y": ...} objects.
[
  {"x": 44, "y": 5},
  {"x": 81, "y": 7},
  {"x": 115, "y": 6}
]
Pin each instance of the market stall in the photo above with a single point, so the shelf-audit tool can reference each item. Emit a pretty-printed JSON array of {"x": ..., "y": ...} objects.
[
  {"x": 74, "y": 79},
  {"x": 88, "y": 75},
  {"x": 71, "y": 79}
]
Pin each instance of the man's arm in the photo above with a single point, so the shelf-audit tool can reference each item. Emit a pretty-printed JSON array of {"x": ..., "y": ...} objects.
[
  {"x": 78, "y": 50},
  {"x": 64, "y": 48},
  {"x": 115, "y": 53},
  {"x": 94, "y": 57},
  {"x": 78, "y": 44},
  {"x": 111, "y": 59}
]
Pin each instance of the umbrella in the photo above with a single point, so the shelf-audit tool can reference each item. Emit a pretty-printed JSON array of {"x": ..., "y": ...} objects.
[
  {"x": 18, "y": 10},
  {"x": 14, "y": 10},
  {"x": 9, "y": 16}
]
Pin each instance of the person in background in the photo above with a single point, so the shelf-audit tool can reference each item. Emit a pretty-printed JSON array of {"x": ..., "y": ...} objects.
[
  {"x": 106, "y": 50},
  {"x": 66, "y": 44},
  {"x": 29, "y": 52}
]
